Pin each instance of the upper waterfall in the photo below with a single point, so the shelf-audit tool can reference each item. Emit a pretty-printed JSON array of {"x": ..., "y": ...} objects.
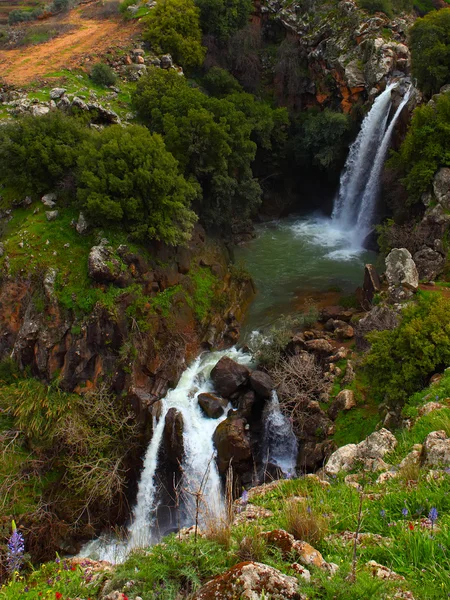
[{"x": 360, "y": 180}]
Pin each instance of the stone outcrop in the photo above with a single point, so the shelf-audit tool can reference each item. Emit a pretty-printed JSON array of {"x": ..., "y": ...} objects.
[
  {"x": 372, "y": 284},
  {"x": 436, "y": 449},
  {"x": 369, "y": 452},
  {"x": 401, "y": 274},
  {"x": 249, "y": 580},
  {"x": 228, "y": 376},
  {"x": 233, "y": 445},
  {"x": 379, "y": 318},
  {"x": 429, "y": 263},
  {"x": 105, "y": 266}
]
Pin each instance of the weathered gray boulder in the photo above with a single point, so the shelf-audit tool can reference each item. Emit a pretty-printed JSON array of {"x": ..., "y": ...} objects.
[
  {"x": 39, "y": 110},
  {"x": 250, "y": 580},
  {"x": 56, "y": 93},
  {"x": 401, "y": 270},
  {"x": 345, "y": 400},
  {"x": 51, "y": 215},
  {"x": 379, "y": 318},
  {"x": 261, "y": 383},
  {"x": 371, "y": 285},
  {"x": 166, "y": 61},
  {"x": 436, "y": 449},
  {"x": 429, "y": 263},
  {"x": 49, "y": 200},
  {"x": 441, "y": 187},
  {"x": 213, "y": 406},
  {"x": 322, "y": 347},
  {"x": 105, "y": 115},
  {"x": 227, "y": 376},
  {"x": 82, "y": 225},
  {"x": 79, "y": 103},
  {"x": 104, "y": 266}
]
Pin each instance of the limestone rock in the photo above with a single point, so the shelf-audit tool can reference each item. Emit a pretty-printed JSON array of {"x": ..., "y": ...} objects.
[
  {"x": 379, "y": 318},
  {"x": 38, "y": 110},
  {"x": 49, "y": 200},
  {"x": 79, "y": 103},
  {"x": 227, "y": 376},
  {"x": 342, "y": 460},
  {"x": 401, "y": 270},
  {"x": 429, "y": 263},
  {"x": 82, "y": 225},
  {"x": 104, "y": 266},
  {"x": 250, "y": 512},
  {"x": 301, "y": 571},
  {"x": 345, "y": 400},
  {"x": 371, "y": 285},
  {"x": 213, "y": 406},
  {"x": 319, "y": 347},
  {"x": 51, "y": 215},
  {"x": 166, "y": 61},
  {"x": 249, "y": 580},
  {"x": 49, "y": 283},
  {"x": 56, "y": 93},
  {"x": 382, "y": 572},
  {"x": 429, "y": 407},
  {"x": 441, "y": 187},
  {"x": 261, "y": 383},
  {"x": 436, "y": 449}
]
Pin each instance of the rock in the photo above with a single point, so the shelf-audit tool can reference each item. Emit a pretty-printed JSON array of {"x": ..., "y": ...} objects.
[
  {"x": 369, "y": 452},
  {"x": 104, "y": 266},
  {"x": 38, "y": 110},
  {"x": 441, "y": 187},
  {"x": 345, "y": 400},
  {"x": 82, "y": 225},
  {"x": 301, "y": 572},
  {"x": 249, "y": 513},
  {"x": 413, "y": 458},
  {"x": 227, "y": 376},
  {"x": 63, "y": 103},
  {"x": 56, "y": 93},
  {"x": 166, "y": 61},
  {"x": 289, "y": 546},
  {"x": 261, "y": 383},
  {"x": 250, "y": 580},
  {"x": 430, "y": 407},
  {"x": 233, "y": 444},
  {"x": 319, "y": 347},
  {"x": 401, "y": 270},
  {"x": 436, "y": 449},
  {"x": 51, "y": 215},
  {"x": 371, "y": 285},
  {"x": 429, "y": 263},
  {"x": 336, "y": 312},
  {"x": 246, "y": 403},
  {"x": 104, "y": 115},
  {"x": 379, "y": 318},
  {"x": 344, "y": 331},
  {"x": 312, "y": 455},
  {"x": 49, "y": 284},
  {"x": 382, "y": 572},
  {"x": 49, "y": 200},
  {"x": 349, "y": 374},
  {"x": 213, "y": 406},
  {"x": 79, "y": 103},
  {"x": 173, "y": 436}
]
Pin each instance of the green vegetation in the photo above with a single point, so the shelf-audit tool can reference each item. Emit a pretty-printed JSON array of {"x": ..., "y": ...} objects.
[
  {"x": 400, "y": 360},
  {"x": 127, "y": 175},
  {"x": 425, "y": 148},
  {"x": 102, "y": 74},
  {"x": 173, "y": 27},
  {"x": 222, "y": 18},
  {"x": 430, "y": 50}
]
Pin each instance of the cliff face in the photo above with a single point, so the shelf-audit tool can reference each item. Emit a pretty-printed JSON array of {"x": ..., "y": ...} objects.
[{"x": 346, "y": 55}]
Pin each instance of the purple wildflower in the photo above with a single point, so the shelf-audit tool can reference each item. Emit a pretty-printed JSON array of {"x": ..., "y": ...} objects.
[
  {"x": 16, "y": 549},
  {"x": 382, "y": 513},
  {"x": 244, "y": 497},
  {"x": 433, "y": 515},
  {"x": 405, "y": 512}
]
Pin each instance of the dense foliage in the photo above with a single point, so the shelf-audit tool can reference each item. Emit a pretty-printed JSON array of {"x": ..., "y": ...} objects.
[
  {"x": 430, "y": 50},
  {"x": 173, "y": 26},
  {"x": 401, "y": 359},
  {"x": 214, "y": 139},
  {"x": 102, "y": 74},
  {"x": 222, "y": 18},
  {"x": 127, "y": 175},
  {"x": 425, "y": 148}
]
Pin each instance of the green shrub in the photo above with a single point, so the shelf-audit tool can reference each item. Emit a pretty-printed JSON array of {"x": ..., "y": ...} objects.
[
  {"x": 37, "y": 152},
  {"x": 102, "y": 74},
  {"x": 373, "y": 6},
  {"x": 127, "y": 175},
  {"x": 219, "y": 82},
  {"x": 400, "y": 360},
  {"x": 173, "y": 26},
  {"x": 430, "y": 50},
  {"x": 222, "y": 18},
  {"x": 19, "y": 16},
  {"x": 425, "y": 148}
]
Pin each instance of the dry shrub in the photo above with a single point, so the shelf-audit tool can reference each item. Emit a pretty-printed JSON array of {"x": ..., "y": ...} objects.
[
  {"x": 409, "y": 472},
  {"x": 299, "y": 379},
  {"x": 252, "y": 547},
  {"x": 303, "y": 523},
  {"x": 218, "y": 528}
]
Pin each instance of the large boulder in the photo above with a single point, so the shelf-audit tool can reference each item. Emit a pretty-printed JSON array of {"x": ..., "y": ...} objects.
[
  {"x": 369, "y": 452},
  {"x": 250, "y": 580},
  {"x": 233, "y": 444},
  {"x": 261, "y": 383},
  {"x": 441, "y": 187},
  {"x": 429, "y": 263},
  {"x": 227, "y": 376},
  {"x": 401, "y": 273},
  {"x": 345, "y": 400},
  {"x": 379, "y": 318},
  {"x": 213, "y": 406},
  {"x": 173, "y": 436},
  {"x": 436, "y": 449}
]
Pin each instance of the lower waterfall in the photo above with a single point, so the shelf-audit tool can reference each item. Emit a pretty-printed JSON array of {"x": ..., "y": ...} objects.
[{"x": 279, "y": 441}]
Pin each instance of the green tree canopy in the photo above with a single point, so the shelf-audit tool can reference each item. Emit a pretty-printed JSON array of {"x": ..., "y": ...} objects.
[
  {"x": 173, "y": 26},
  {"x": 127, "y": 175},
  {"x": 430, "y": 50},
  {"x": 222, "y": 18}
]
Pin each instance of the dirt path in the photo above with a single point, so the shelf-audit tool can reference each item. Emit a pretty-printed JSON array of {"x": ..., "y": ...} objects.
[{"x": 90, "y": 37}]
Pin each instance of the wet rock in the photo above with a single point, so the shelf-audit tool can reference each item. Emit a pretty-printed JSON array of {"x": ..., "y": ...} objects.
[
  {"x": 250, "y": 580},
  {"x": 436, "y": 449},
  {"x": 246, "y": 403},
  {"x": 51, "y": 215},
  {"x": 233, "y": 444},
  {"x": 369, "y": 452},
  {"x": 372, "y": 284},
  {"x": 345, "y": 400},
  {"x": 173, "y": 436},
  {"x": 429, "y": 263},
  {"x": 441, "y": 187},
  {"x": 227, "y": 376},
  {"x": 49, "y": 200},
  {"x": 312, "y": 455},
  {"x": 261, "y": 383},
  {"x": 213, "y": 406}
]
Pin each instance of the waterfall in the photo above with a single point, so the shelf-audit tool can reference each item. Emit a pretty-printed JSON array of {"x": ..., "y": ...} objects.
[
  {"x": 279, "y": 441},
  {"x": 199, "y": 449},
  {"x": 359, "y": 185}
]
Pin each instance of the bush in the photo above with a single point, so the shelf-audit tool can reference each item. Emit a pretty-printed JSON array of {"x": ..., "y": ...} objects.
[
  {"x": 373, "y": 6},
  {"x": 402, "y": 359},
  {"x": 37, "y": 152},
  {"x": 430, "y": 50},
  {"x": 19, "y": 16},
  {"x": 127, "y": 175},
  {"x": 304, "y": 523},
  {"x": 60, "y": 6},
  {"x": 425, "y": 148},
  {"x": 222, "y": 18},
  {"x": 102, "y": 74},
  {"x": 218, "y": 82},
  {"x": 173, "y": 26}
]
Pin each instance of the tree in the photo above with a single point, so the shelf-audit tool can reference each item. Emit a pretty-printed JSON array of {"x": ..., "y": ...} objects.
[
  {"x": 37, "y": 152},
  {"x": 430, "y": 50},
  {"x": 219, "y": 82},
  {"x": 127, "y": 175},
  {"x": 173, "y": 26},
  {"x": 222, "y": 18}
]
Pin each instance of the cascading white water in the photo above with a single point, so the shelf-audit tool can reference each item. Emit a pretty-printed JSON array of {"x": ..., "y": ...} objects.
[
  {"x": 198, "y": 451},
  {"x": 279, "y": 441}
]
